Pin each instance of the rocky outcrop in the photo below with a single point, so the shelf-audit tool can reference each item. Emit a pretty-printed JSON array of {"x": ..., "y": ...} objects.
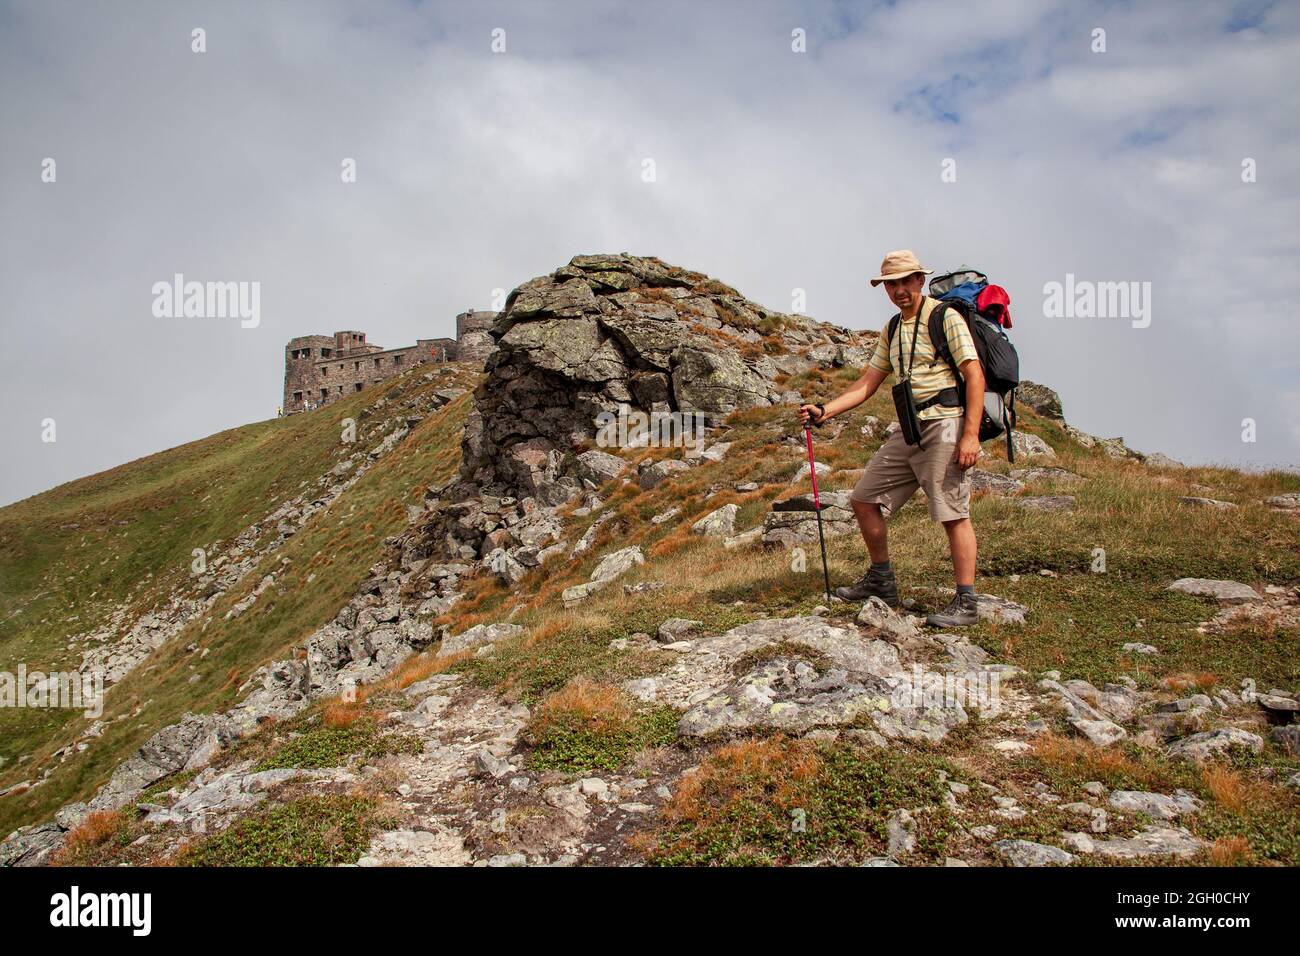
[{"x": 614, "y": 351}]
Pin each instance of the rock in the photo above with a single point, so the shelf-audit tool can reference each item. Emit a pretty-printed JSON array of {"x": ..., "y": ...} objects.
[
  {"x": 567, "y": 800},
  {"x": 654, "y": 475},
  {"x": 599, "y": 467},
  {"x": 1204, "y": 746},
  {"x": 879, "y": 615},
  {"x": 1287, "y": 739},
  {"x": 1079, "y": 842},
  {"x": 824, "y": 471},
  {"x": 643, "y": 587},
  {"x": 1287, "y": 502},
  {"x": 1213, "y": 503},
  {"x": 1226, "y": 592},
  {"x": 1044, "y": 473},
  {"x": 666, "y": 516},
  {"x": 1102, "y": 733},
  {"x": 1027, "y": 853},
  {"x": 901, "y": 832},
  {"x": 31, "y": 845},
  {"x": 1138, "y": 648},
  {"x": 1047, "y": 503},
  {"x": 752, "y": 536},
  {"x": 618, "y": 563},
  {"x": 488, "y": 764},
  {"x": 1277, "y": 706},
  {"x": 416, "y": 848},
  {"x": 1027, "y": 445},
  {"x": 1157, "y": 460},
  {"x": 719, "y": 523},
  {"x": 981, "y": 480},
  {"x": 677, "y": 629},
  {"x": 804, "y": 502},
  {"x": 1156, "y": 805},
  {"x": 1151, "y": 841},
  {"x": 478, "y": 636},
  {"x": 1040, "y": 398},
  {"x": 990, "y": 607},
  {"x": 718, "y": 383},
  {"x": 791, "y": 528}
]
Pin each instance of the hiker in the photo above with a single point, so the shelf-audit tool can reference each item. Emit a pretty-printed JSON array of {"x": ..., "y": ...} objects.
[{"x": 947, "y": 424}]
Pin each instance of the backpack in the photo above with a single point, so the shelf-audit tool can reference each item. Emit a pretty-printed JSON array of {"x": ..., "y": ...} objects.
[{"x": 997, "y": 356}]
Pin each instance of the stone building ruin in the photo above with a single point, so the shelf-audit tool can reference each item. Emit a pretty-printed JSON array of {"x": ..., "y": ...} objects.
[{"x": 320, "y": 369}]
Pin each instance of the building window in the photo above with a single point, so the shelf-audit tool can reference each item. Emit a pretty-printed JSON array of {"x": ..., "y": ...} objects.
[
  {"x": 377, "y": 361},
  {"x": 360, "y": 386},
  {"x": 297, "y": 396},
  {"x": 397, "y": 360}
]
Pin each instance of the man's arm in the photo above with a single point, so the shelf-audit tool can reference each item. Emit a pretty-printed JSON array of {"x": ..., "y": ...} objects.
[
  {"x": 968, "y": 446},
  {"x": 855, "y": 395}
]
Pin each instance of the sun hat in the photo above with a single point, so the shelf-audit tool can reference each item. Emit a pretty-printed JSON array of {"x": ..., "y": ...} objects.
[{"x": 898, "y": 265}]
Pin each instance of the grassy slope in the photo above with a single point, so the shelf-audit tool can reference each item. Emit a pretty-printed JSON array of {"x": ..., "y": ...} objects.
[{"x": 67, "y": 556}]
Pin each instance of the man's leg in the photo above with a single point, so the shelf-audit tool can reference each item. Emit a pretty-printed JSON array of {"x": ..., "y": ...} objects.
[
  {"x": 874, "y": 530},
  {"x": 887, "y": 482},
  {"x": 961, "y": 542},
  {"x": 948, "y": 489}
]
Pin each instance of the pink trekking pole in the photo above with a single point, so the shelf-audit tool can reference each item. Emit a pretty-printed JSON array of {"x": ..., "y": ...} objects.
[{"x": 817, "y": 507}]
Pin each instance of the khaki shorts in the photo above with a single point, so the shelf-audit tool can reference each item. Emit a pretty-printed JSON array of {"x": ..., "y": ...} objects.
[{"x": 898, "y": 469}]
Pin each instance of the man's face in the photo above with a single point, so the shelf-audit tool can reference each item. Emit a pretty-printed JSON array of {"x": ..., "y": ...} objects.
[{"x": 905, "y": 292}]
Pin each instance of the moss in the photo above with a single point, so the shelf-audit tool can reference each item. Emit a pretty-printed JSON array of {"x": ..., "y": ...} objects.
[
  {"x": 325, "y": 746},
  {"x": 311, "y": 831},
  {"x": 576, "y": 745}
]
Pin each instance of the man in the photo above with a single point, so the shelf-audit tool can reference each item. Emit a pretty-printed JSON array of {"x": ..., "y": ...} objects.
[{"x": 949, "y": 434}]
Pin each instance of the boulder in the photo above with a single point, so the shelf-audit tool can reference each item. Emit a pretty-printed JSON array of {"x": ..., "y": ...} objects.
[
  {"x": 719, "y": 523},
  {"x": 599, "y": 467},
  {"x": 1226, "y": 592},
  {"x": 1215, "y": 743}
]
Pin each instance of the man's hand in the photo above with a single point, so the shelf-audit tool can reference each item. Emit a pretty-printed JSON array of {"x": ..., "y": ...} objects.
[
  {"x": 968, "y": 451},
  {"x": 810, "y": 415}
]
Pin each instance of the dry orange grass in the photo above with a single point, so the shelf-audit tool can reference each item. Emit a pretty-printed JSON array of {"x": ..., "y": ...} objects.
[
  {"x": 582, "y": 701},
  {"x": 775, "y": 762},
  {"x": 94, "y": 831},
  {"x": 1230, "y": 789},
  {"x": 1086, "y": 759},
  {"x": 415, "y": 669},
  {"x": 1202, "y": 680},
  {"x": 1231, "y": 851},
  {"x": 344, "y": 713}
]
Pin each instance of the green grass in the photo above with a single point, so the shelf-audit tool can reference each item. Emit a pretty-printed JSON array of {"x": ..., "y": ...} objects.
[
  {"x": 324, "y": 746},
  {"x": 310, "y": 831},
  {"x": 573, "y": 745}
]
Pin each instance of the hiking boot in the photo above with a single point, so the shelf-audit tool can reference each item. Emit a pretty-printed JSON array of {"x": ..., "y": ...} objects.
[
  {"x": 872, "y": 584},
  {"x": 959, "y": 613}
]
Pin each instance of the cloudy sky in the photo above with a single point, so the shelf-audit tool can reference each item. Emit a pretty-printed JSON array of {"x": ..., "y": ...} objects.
[{"x": 774, "y": 169}]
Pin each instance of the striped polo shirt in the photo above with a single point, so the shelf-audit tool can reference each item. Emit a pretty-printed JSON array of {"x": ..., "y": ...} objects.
[{"x": 930, "y": 374}]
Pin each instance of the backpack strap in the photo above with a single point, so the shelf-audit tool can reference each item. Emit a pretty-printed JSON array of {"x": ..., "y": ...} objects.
[{"x": 939, "y": 339}]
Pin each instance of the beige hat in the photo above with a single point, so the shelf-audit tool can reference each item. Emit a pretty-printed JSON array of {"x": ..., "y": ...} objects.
[{"x": 898, "y": 265}]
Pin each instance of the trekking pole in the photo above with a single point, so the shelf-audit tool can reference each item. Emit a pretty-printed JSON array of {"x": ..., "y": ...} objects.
[{"x": 817, "y": 507}]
